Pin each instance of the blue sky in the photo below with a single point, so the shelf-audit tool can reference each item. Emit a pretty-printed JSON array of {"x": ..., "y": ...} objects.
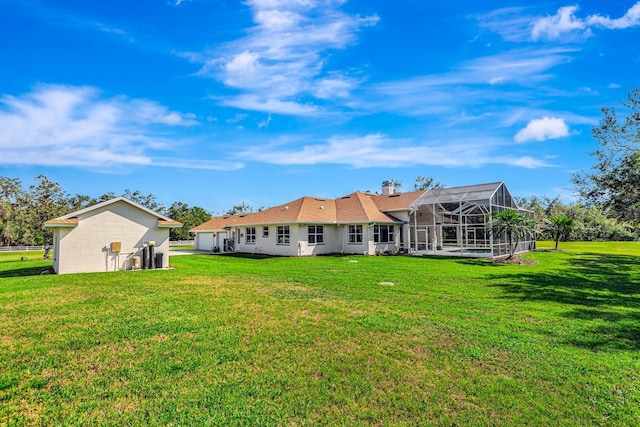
[{"x": 215, "y": 102}]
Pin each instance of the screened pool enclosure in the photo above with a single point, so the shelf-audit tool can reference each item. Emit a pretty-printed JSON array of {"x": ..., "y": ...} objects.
[{"x": 455, "y": 221}]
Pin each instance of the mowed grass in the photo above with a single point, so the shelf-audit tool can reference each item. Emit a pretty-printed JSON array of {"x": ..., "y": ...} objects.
[{"x": 344, "y": 340}]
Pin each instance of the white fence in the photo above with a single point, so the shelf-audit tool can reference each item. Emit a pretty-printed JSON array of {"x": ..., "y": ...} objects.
[
  {"x": 21, "y": 248},
  {"x": 181, "y": 242}
]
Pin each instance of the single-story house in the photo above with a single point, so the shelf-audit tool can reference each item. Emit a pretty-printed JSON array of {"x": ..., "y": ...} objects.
[
  {"x": 447, "y": 221},
  {"x": 110, "y": 236}
]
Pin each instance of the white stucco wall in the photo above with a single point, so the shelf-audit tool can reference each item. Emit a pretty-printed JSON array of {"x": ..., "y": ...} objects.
[
  {"x": 86, "y": 248},
  {"x": 336, "y": 240},
  {"x": 267, "y": 245},
  {"x": 332, "y": 241}
]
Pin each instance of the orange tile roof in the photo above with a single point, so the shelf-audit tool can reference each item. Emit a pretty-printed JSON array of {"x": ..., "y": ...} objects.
[
  {"x": 63, "y": 222},
  {"x": 359, "y": 207},
  {"x": 217, "y": 223},
  {"x": 353, "y": 208},
  {"x": 398, "y": 201}
]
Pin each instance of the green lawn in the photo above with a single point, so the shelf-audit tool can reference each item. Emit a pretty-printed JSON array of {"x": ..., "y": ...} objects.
[
  {"x": 182, "y": 247},
  {"x": 344, "y": 340}
]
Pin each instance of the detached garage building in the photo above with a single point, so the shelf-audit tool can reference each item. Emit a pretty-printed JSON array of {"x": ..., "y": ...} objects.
[{"x": 108, "y": 236}]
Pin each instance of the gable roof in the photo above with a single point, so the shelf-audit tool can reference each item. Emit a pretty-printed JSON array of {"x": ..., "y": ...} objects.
[
  {"x": 354, "y": 208},
  {"x": 71, "y": 219},
  {"x": 359, "y": 207}
]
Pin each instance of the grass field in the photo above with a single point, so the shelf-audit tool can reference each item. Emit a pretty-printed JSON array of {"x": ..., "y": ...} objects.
[{"x": 344, "y": 340}]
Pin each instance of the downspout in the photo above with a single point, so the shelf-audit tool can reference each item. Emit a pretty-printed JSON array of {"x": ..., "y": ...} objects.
[
  {"x": 462, "y": 236},
  {"x": 436, "y": 232},
  {"x": 366, "y": 251},
  {"x": 490, "y": 231},
  {"x": 415, "y": 228}
]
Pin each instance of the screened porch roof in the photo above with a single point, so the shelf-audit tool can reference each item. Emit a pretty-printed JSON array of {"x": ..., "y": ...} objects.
[{"x": 458, "y": 194}]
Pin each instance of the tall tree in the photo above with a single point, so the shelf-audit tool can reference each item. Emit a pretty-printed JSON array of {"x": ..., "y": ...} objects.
[
  {"x": 106, "y": 196},
  {"x": 559, "y": 226},
  {"x": 188, "y": 216},
  {"x": 10, "y": 194},
  {"x": 426, "y": 183},
  {"x": 513, "y": 225},
  {"x": 614, "y": 182},
  {"x": 80, "y": 201},
  {"x": 146, "y": 200},
  {"x": 43, "y": 201},
  {"x": 242, "y": 208}
]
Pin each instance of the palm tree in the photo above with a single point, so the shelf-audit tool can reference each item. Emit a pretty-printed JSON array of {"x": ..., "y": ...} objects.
[
  {"x": 559, "y": 226},
  {"x": 513, "y": 225}
]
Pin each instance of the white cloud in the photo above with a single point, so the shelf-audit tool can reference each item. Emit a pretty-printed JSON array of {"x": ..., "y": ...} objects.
[
  {"x": 528, "y": 162},
  {"x": 237, "y": 118},
  {"x": 265, "y": 123},
  {"x": 173, "y": 162},
  {"x": 565, "y": 22},
  {"x": 107, "y": 29},
  {"x": 512, "y": 23},
  {"x": 516, "y": 66},
  {"x": 334, "y": 86},
  {"x": 276, "y": 106},
  {"x": 378, "y": 150},
  {"x": 73, "y": 126},
  {"x": 276, "y": 19},
  {"x": 552, "y": 27},
  {"x": 543, "y": 129},
  {"x": 508, "y": 78},
  {"x": 630, "y": 19},
  {"x": 285, "y": 56}
]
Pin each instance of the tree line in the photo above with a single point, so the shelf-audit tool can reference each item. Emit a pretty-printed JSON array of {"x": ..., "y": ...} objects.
[
  {"x": 590, "y": 222},
  {"x": 24, "y": 210},
  {"x": 608, "y": 206}
]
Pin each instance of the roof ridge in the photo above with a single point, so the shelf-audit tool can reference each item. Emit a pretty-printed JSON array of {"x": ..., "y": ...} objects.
[{"x": 112, "y": 201}]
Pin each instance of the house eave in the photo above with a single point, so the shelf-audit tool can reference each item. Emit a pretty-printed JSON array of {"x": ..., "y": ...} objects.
[
  {"x": 168, "y": 224},
  {"x": 62, "y": 223}
]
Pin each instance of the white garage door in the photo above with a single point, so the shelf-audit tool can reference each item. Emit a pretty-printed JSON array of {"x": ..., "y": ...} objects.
[{"x": 204, "y": 242}]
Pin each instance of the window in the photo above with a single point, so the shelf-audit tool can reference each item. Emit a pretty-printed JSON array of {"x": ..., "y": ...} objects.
[
  {"x": 316, "y": 234},
  {"x": 283, "y": 235},
  {"x": 265, "y": 231},
  {"x": 383, "y": 234},
  {"x": 250, "y": 235},
  {"x": 355, "y": 234}
]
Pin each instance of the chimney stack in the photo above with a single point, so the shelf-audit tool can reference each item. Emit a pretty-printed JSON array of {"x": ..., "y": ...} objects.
[{"x": 388, "y": 188}]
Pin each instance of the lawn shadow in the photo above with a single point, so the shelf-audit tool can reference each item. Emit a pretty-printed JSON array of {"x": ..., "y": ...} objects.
[
  {"x": 478, "y": 262},
  {"x": 23, "y": 271},
  {"x": 245, "y": 255},
  {"x": 601, "y": 290}
]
